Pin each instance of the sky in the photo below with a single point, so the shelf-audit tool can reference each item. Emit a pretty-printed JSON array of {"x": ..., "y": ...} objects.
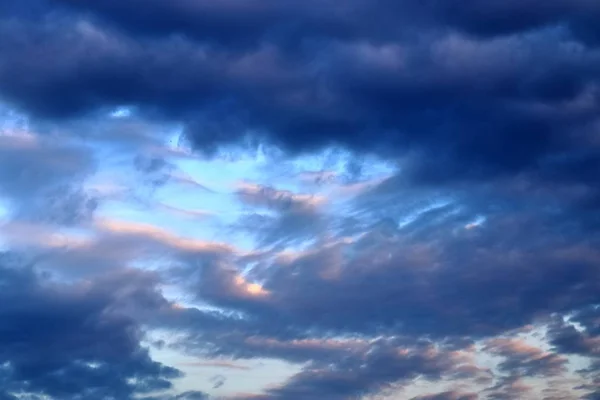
[{"x": 298, "y": 200}]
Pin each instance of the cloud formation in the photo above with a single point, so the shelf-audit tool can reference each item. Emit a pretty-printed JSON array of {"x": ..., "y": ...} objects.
[
  {"x": 54, "y": 337},
  {"x": 455, "y": 246},
  {"x": 465, "y": 101}
]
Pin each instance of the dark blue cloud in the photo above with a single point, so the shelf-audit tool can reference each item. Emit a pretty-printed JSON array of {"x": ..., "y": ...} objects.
[
  {"x": 492, "y": 18},
  {"x": 382, "y": 283},
  {"x": 441, "y": 280},
  {"x": 248, "y": 22},
  {"x": 481, "y": 107},
  {"x": 73, "y": 342}
]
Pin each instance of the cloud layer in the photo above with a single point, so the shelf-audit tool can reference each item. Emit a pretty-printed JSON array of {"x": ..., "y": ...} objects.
[{"x": 359, "y": 200}]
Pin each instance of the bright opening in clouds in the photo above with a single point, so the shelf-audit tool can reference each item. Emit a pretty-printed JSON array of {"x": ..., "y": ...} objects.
[{"x": 299, "y": 200}]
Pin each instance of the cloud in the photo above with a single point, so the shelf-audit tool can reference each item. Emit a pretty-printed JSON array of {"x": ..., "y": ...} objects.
[
  {"x": 452, "y": 395},
  {"x": 245, "y": 23},
  {"x": 492, "y": 18},
  {"x": 290, "y": 218},
  {"x": 218, "y": 381},
  {"x": 484, "y": 225},
  {"x": 189, "y": 395},
  {"x": 384, "y": 363},
  {"x": 219, "y": 364},
  {"x": 509, "y": 388},
  {"x": 110, "y": 244},
  {"x": 523, "y": 360},
  {"x": 381, "y": 283},
  {"x": 55, "y": 337},
  {"x": 442, "y": 97},
  {"x": 278, "y": 200},
  {"x": 231, "y": 22},
  {"x": 438, "y": 280},
  {"x": 42, "y": 177},
  {"x": 568, "y": 340}
]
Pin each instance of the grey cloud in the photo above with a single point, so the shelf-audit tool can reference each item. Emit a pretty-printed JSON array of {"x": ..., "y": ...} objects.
[
  {"x": 382, "y": 282},
  {"x": 451, "y": 395},
  {"x": 73, "y": 341},
  {"x": 385, "y": 363},
  {"x": 297, "y": 217},
  {"x": 508, "y": 388}
]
